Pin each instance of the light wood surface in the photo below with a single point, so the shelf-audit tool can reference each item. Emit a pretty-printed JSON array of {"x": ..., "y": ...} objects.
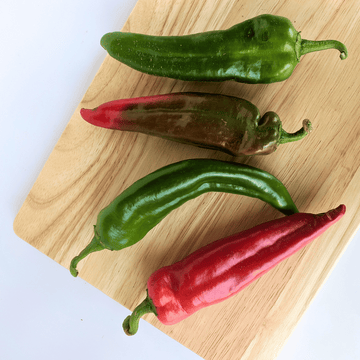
[{"x": 90, "y": 166}]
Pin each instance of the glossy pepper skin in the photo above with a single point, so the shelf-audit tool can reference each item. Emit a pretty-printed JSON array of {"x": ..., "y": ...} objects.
[
  {"x": 214, "y": 121},
  {"x": 221, "y": 269},
  {"x": 130, "y": 216},
  {"x": 264, "y": 49}
]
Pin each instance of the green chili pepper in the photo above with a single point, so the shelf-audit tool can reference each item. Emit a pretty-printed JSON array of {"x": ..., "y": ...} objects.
[
  {"x": 264, "y": 49},
  {"x": 128, "y": 218}
]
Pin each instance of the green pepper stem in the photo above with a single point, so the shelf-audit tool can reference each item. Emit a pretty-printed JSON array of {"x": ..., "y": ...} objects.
[
  {"x": 308, "y": 46},
  {"x": 94, "y": 245},
  {"x": 298, "y": 135},
  {"x": 131, "y": 323}
]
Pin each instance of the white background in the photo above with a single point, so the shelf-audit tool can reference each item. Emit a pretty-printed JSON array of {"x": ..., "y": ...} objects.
[{"x": 50, "y": 53}]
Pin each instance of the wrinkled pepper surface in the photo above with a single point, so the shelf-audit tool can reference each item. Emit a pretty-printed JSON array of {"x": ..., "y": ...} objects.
[
  {"x": 130, "y": 216},
  {"x": 221, "y": 269},
  {"x": 264, "y": 49},
  {"x": 213, "y": 121}
]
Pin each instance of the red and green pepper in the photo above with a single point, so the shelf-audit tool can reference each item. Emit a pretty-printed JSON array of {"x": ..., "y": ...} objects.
[
  {"x": 221, "y": 269},
  {"x": 213, "y": 121}
]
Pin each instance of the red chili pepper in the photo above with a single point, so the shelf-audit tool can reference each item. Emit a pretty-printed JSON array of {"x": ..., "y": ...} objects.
[{"x": 221, "y": 269}]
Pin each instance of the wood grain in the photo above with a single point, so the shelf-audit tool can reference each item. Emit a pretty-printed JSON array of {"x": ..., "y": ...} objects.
[{"x": 90, "y": 166}]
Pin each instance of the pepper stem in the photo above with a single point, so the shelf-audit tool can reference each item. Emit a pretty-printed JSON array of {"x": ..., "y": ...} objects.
[
  {"x": 298, "y": 135},
  {"x": 308, "y": 46},
  {"x": 94, "y": 245},
  {"x": 131, "y": 323}
]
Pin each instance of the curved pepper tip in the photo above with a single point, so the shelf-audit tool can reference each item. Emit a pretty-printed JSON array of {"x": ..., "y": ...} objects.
[
  {"x": 298, "y": 135},
  {"x": 87, "y": 115},
  {"x": 84, "y": 113},
  {"x": 343, "y": 51},
  {"x": 94, "y": 245},
  {"x": 337, "y": 212},
  {"x": 307, "y": 126},
  {"x": 126, "y": 326},
  {"x": 104, "y": 40},
  {"x": 131, "y": 322},
  {"x": 73, "y": 270},
  {"x": 94, "y": 118},
  {"x": 308, "y": 46}
]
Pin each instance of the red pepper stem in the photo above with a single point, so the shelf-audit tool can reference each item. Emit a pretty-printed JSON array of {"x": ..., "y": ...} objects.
[
  {"x": 308, "y": 46},
  {"x": 298, "y": 135},
  {"x": 94, "y": 245},
  {"x": 131, "y": 323}
]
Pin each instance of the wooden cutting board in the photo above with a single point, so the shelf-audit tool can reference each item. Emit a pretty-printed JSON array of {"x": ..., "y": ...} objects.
[{"x": 90, "y": 166}]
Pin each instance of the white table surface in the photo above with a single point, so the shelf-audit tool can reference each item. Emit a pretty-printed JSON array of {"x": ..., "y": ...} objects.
[{"x": 50, "y": 53}]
